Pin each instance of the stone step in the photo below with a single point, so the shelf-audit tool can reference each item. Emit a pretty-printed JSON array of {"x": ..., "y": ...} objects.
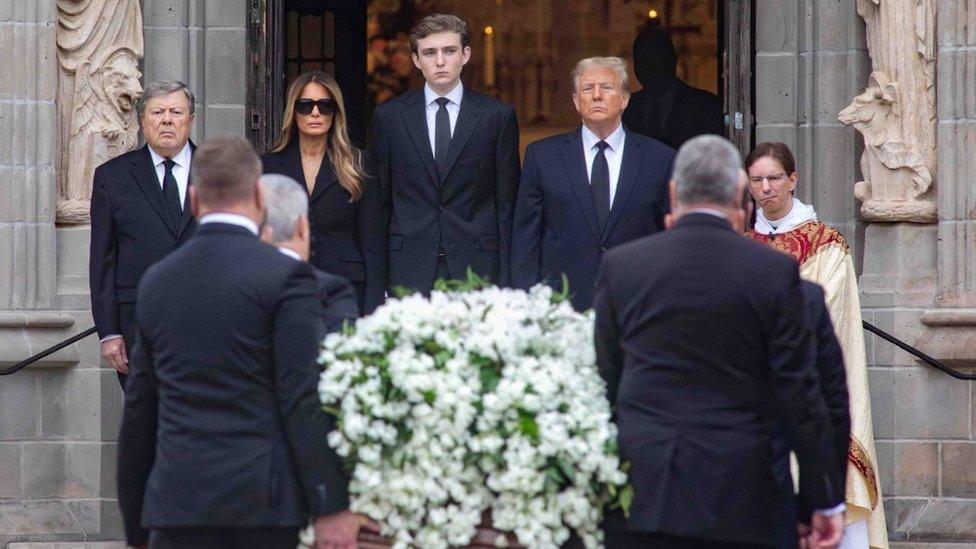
[
  {"x": 67, "y": 545},
  {"x": 934, "y": 523}
]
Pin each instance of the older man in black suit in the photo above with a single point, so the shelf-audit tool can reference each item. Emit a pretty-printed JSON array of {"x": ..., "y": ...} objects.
[
  {"x": 702, "y": 339},
  {"x": 139, "y": 214},
  {"x": 223, "y": 440},
  {"x": 287, "y": 228},
  {"x": 447, "y": 161},
  {"x": 584, "y": 192}
]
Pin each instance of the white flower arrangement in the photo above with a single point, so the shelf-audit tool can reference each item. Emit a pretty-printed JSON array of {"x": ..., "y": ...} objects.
[{"x": 474, "y": 401}]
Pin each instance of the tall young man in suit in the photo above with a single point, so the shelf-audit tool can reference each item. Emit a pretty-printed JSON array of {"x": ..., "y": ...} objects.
[
  {"x": 287, "y": 228},
  {"x": 702, "y": 339},
  {"x": 447, "y": 161},
  {"x": 223, "y": 439},
  {"x": 139, "y": 214},
  {"x": 584, "y": 192}
]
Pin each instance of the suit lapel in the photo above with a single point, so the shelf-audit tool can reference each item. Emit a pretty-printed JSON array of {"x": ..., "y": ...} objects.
[
  {"x": 629, "y": 169},
  {"x": 324, "y": 179},
  {"x": 144, "y": 173},
  {"x": 576, "y": 168},
  {"x": 468, "y": 118},
  {"x": 414, "y": 116},
  {"x": 187, "y": 214}
]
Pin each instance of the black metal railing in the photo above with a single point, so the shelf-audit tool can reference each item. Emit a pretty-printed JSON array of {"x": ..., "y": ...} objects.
[
  {"x": 934, "y": 363},
  {"x": 50, "y": 350}
]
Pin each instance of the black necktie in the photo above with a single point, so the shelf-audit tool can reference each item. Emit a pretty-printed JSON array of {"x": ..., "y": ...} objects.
[
  {"x": 442, "y": 135},
  {"x": 600, "y": 184},
  {"x": 171, "y": 193}
]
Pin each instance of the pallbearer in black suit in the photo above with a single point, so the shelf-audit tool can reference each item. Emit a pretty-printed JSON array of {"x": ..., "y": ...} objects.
[
  {"x": 447, "y": 161},
  {"x": 344, "y": 208},
  {"x": 286, "y": 227},
  {"x": 584, "y": 192},
  {"x": 139, "y": 214},
  {"x": 223, "y": 439},
  {"x": 702, "y": 339}
]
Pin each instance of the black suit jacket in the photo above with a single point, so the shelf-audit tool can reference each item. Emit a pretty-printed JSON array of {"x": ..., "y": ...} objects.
[
  {"x": 702, "y": 339},
  {"x": 222, "y": 423},
  {"x": 555, "y": 228},
  {"x": 338, "y": 301},
  {"x": 130, "y": 230},
  {"x": 468, "y": 214},
  {"x": 673, "y": 112},
  {"x": 347, "y": 237}
]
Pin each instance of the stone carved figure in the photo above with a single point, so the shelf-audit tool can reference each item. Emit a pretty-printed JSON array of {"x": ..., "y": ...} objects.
[
  {"x": 896, "y": 113},
  {"x": 100, "y": 43}
]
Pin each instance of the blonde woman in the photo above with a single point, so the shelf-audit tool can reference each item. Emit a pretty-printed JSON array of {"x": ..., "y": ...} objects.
[{"x": 313, "y": 148}]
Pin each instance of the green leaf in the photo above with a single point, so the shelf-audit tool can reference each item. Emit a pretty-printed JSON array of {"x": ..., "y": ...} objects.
[
  {"x": 402, "y": 291},
  {"x": 528, "y": 425},
  {"x": 331, "y": 410},
  {"x": 490, "y": 376},
  {"x": 430, "y": 396},
  {"x": 626, "y": 498}
]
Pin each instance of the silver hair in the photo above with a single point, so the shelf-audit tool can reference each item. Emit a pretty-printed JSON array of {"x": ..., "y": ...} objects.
[
  {"x": 706, "y": 171},
  {"x": 285, "y": 201},
  {"x": 161, "y": 88},
  {"x": 616, "y": 64}
]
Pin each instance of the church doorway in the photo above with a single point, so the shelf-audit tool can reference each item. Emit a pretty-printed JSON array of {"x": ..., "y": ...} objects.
[{"x": 522, "y": 53}]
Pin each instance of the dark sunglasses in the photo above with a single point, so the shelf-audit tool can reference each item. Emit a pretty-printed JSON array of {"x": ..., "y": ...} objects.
[{"x": 326, "y": 106}]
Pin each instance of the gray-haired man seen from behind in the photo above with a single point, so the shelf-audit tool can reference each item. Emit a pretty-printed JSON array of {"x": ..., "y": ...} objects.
[
  {"x": 139, "y": 214},
  {"x": 702, "y": 339},
  {"x": 286, "y": 227}
]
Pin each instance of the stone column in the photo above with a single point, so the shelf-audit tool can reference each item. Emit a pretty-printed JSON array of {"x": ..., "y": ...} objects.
[
  {"x": 810, "y": 60},
  {"x": 28, "y": 147}
]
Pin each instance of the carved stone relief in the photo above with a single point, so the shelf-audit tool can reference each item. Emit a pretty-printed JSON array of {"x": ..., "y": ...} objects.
[
  {"x": 896, "y": 113},
  {"x": 100, "y": 43}
]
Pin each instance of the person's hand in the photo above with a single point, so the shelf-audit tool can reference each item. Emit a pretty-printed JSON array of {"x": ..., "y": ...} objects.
[
  {"x": 113, "y": 351},
  {"x": 340, "y": 530},
  {"x": 826, "y": 531}
]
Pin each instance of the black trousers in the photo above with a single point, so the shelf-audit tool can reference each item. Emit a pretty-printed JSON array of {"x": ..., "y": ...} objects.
[
  {"x": 223, "y": 538},
  {"x": 654, "y": 540}
]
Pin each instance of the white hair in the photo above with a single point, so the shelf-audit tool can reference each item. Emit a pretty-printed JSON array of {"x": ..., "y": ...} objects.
[
  {"x": 706, "y": 171},
  {"x": 285, "y": 200},
  {"x": 616, "y": 64},
  {"x": 161, "y": 88}
]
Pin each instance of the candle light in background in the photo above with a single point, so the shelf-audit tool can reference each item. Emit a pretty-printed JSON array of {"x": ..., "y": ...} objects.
[{"x": 489, "y": 57}]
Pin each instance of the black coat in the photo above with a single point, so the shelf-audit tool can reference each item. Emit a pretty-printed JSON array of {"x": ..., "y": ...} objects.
[
  {"x": 338, "y": 301},
  {"x": 468, "y": 215},
  {"x": 702, "y": 339},
  {"x": 130, "y": 230},
  {"x": 222, "y": 423},
  {"x": 555, "y": 226},
  {"x": 347, "y": 237},
  {"x": 673, "y": 112}
]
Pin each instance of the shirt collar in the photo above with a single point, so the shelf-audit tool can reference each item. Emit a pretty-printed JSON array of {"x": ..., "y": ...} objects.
[
  {"x": 708, "y": 211},
  {"x": 615, "y": 139},
  {"x": 290, "y": 253},
  {"x": 799, "y": 214},
  {"x": 230, "y": 219},
  {"x": 181, "y": 159},
  {"x": 454, "y": 96}
]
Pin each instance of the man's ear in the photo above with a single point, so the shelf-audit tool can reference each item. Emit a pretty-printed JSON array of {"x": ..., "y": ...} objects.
[
  {"x": 673, "y": 194},
  {"x": 302, "y": 228},
  {"x": 668, "y": 221},
  {"x": 259, "y": 196},
  {"x": 267, "y": 234}
]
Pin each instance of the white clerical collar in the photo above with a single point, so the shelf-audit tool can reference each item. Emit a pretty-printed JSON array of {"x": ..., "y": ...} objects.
[
  {"x": 181, "y": 159},
  {"x": 799, "y": 214},
  {"x": 707, "y": 211},
  {"x": 454, "y": 96},
  {"x": 230, "y": 219},
  {"x": 290, "y": 253},
  {"x": 615, "y": 139}
]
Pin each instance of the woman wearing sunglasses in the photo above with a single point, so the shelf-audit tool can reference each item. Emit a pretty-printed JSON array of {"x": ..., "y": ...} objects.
[{"x": 313, "y": 148}]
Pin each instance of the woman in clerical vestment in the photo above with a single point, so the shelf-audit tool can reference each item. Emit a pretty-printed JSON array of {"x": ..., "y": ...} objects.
[{"x": 788, "y": 225}]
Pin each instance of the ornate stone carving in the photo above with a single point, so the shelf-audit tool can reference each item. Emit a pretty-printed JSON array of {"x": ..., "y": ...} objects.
[
  {"x": 100, "y": 44},
  {"x": 896, "y": 113}
]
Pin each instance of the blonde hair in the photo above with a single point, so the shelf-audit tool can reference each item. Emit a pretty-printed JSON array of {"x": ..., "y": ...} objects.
[
  {"x": 344, "y": 157},
  {"x": 616, "y": 64}
]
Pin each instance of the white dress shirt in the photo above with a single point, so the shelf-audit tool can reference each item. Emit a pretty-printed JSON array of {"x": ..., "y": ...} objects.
[
  {"x": 230, "y": 219},
  {"x": 453, "y": 108},
  {"x": 614, "y": 154},
  {"x": 181, "y": 169},
  {"x": 290, "y": 253}
]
